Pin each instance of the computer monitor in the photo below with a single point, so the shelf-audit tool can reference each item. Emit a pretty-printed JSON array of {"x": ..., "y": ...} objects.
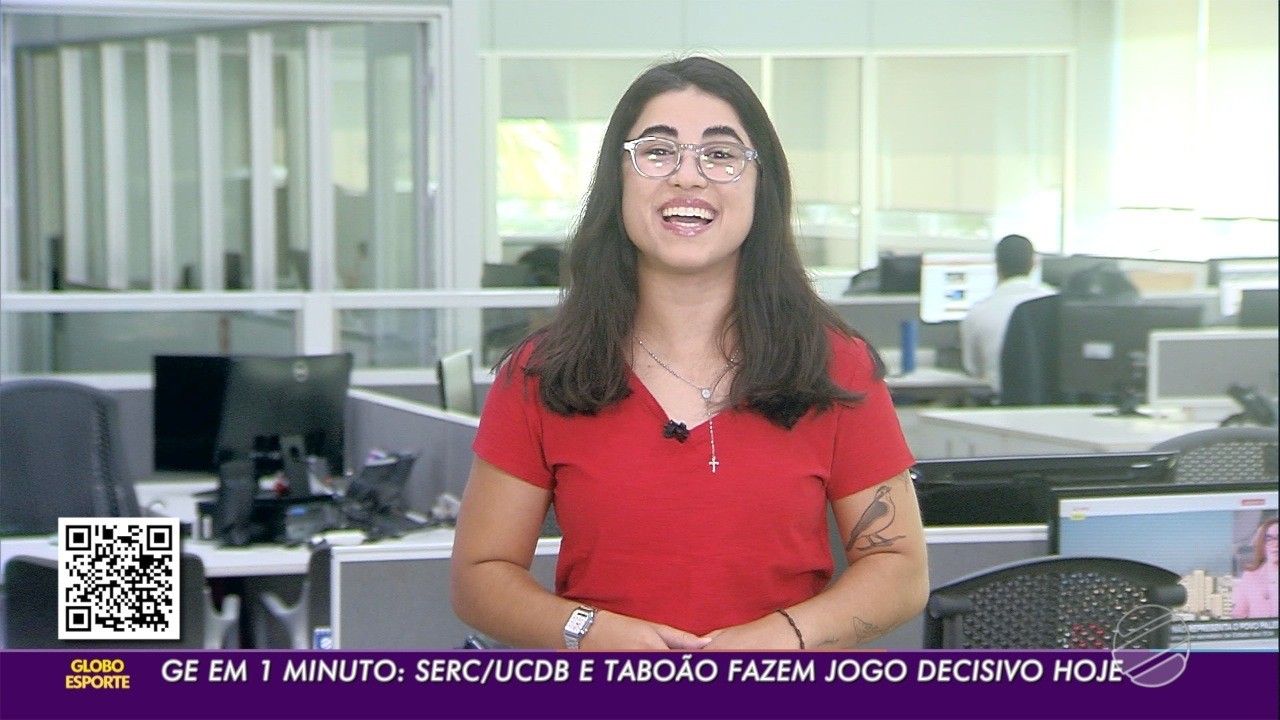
[
  {"x": 457, "y": 384},
  {"x": 899, "y": 274},
  {"x": 1235, "y": 275},
  {"x": 1211, "y": 535},
  {"x": 282, "y": 411},
  {"x": 1259, "y": 308},
  {"x": 1015, "y": 490},
  {"x": 950, "y": 283},
  {"x": 1103, "y": 347},
  {"x": 186, "y": 404}
]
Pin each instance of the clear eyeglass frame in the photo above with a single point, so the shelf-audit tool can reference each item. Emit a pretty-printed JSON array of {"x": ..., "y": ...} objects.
[{"x": 702, "y": 152}]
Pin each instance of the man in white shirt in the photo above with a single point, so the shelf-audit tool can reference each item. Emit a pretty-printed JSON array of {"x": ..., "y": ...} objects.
[{"x": 982, "y": 329}]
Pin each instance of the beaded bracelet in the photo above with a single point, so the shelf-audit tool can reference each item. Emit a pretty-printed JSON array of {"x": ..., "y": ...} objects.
[{"x": 793, "y": 625}]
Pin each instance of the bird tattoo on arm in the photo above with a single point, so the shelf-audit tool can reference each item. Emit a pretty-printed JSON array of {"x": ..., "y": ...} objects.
[{"x": 876, "y": 519}]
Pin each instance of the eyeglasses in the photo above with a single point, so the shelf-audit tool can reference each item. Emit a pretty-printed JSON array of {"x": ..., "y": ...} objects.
[{"x": 720, "y": 162}]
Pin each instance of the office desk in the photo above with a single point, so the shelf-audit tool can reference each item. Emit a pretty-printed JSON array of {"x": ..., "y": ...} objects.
[
  {"x": 389, "y": 594},
  {"x": 266, "y": 560},
  {"x": 932, "y": 378},
  {"x": 1054, "y": 430},
  {"x": 931, "y": 384},
  {"x": 175, "y": 498}
]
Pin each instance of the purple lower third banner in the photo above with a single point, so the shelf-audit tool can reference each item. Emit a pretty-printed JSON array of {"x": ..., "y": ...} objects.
[{"x": 519, "y": 684}]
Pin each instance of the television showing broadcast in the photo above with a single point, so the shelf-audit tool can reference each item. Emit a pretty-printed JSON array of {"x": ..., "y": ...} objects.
[{"x": 1221, "y": 539}]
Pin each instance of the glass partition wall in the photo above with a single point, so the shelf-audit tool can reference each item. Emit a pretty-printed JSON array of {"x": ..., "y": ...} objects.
[
  {"x": 391, "y": 179},
  {"x": 259, "y": 158},
  {"x": 960, "y": 149}
]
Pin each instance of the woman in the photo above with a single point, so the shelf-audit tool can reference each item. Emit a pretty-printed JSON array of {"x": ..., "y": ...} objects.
[
  {"x": 692, "y": 410},
  {"x": 1254, "y": 595}
]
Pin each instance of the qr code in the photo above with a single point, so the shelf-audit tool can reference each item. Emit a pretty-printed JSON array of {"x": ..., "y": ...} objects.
[{"x": 118, "y": 579}]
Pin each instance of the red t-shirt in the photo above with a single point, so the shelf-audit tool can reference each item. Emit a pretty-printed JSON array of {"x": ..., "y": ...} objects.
[{"x": 650, "y": 532}]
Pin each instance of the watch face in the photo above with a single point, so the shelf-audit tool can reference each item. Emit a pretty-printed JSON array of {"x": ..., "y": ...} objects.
[{"x": 577, "y": 622}]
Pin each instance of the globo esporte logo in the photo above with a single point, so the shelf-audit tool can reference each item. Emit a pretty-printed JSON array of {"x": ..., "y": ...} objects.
[{"x": 97, "y": 674}]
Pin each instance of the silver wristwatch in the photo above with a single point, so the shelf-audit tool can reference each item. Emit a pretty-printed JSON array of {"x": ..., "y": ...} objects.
[{"x": 579, "y": 623}]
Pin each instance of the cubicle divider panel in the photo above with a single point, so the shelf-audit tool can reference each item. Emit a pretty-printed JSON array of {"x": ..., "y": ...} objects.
[
  {"x": 1187, "y": 369},
  {"x": 388, "y": 598}
]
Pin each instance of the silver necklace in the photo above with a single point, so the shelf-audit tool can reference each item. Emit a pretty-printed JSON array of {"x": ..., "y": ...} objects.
[{"x": 706, "y": 393}]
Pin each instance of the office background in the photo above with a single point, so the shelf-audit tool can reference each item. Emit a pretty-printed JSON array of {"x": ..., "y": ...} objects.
[
  {"x": 281, "y": 177},
  {"x": 319, "y": 176}
]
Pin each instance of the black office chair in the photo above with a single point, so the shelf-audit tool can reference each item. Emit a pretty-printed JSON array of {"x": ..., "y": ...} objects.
[
  {"x": 31, "y": 609},
  {"x": 457, "y": 384},
  {"x": 1045, "y": 603},
  {"x": 1029, "y": 354},
  {"x": 61, "y": 455},
  {"x": 1243, "y": 453}
]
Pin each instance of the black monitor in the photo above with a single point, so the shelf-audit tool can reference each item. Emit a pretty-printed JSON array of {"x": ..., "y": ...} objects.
[
  {"x": 1233, "y": 276},
  {"x": 1103, "y": 348},
  {"x": 1211, "y": 535},
  {"x": 899, "y": 274},
  {"x": 281, "y": 411},
  {"x": 186, "y": 403},
  {"x": 1015, "y": 490},
  {"x": 1259, "y": 307}
]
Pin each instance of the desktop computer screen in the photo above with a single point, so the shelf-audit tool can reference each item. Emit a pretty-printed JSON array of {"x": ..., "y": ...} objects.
[
  {"x": 1218, "y": 538},
  {"x": 284, "y": 409},
  {"x": 950, "y": 283},
  {"x": 1259, "y": 308},
  {"x": 186, "y": 409},
  {"x": 1103, "y": 347},
  {"x": 259, "y": 395},
  {"x": 1235, "y": 275},
  {"x": 899, "y": 273}
]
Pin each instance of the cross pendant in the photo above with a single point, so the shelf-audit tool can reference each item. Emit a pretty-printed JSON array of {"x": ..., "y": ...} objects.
[{"x": 713, "y": 463}]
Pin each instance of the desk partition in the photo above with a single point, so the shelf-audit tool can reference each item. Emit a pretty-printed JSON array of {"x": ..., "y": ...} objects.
[
  {"x": 397, "y": 597},
  {"x": 1189, "y": 368}
]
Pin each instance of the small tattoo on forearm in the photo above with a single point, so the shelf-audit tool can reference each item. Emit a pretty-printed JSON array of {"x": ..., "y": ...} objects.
[
  {"x": 864, "y": 631},
  {"x": 877, "y": 518}
]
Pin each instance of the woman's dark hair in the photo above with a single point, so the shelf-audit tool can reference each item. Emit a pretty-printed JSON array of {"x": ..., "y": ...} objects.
[{"x": 778, "y": 319}]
